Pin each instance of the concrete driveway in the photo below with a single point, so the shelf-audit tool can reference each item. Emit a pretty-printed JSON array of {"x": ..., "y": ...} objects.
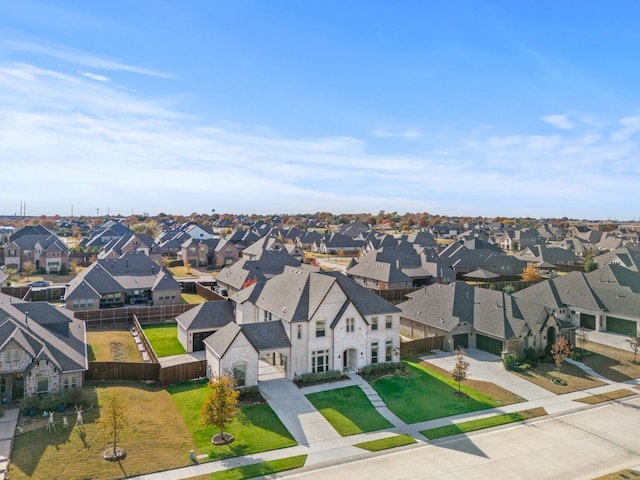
[{"x": 489, "y": 368}]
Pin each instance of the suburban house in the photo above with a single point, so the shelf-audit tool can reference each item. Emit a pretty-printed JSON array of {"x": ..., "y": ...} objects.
[
  {"x": 464, "y": 260},
  {"x": 43, "y": 250},
  {"x": 338, "y": 244},
  {"x": 607, "y": 299},
  {"x": 627, "y": 257},
  {"x": 301, "y": 322},
  {"x": 245, "y": 272},
  {"x": 198, "y": 252},
  {"x": 469, "y": 316},
  {"x": 137, "y": 242},
  {"x": 537, "y": 254},
  {"x": 391, "y": 268},
  {"x": 524, "y": 237},
  {"x": 42, "y": 349},
  {"x": 107, "y": 232},
  {"x": 115, "y": 282}
]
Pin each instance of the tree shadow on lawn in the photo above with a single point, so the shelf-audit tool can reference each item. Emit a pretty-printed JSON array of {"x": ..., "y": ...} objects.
[
  {"x": 427, "y": 395},
  {"x": 29, "y": 446}
]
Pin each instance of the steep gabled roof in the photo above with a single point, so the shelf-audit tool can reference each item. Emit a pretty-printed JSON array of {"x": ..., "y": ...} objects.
[
  {"x": 207, "y": 315},
  {"x": 266, "y": 335}
]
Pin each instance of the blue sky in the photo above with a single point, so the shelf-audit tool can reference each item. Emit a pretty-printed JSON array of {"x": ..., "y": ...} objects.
[{"x": 486, "y": 108}]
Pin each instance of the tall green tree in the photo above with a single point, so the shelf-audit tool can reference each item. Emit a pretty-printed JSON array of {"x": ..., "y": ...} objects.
[
  {"x": 589, "y": 263},
  {"x": 220, "y": 406}
]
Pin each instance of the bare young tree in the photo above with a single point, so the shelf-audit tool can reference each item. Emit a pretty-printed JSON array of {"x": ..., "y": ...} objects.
[
  {"x": 582, "y": 336},
  {"x": 634, "y": 345},
  {"x": 460, "y": 371}
]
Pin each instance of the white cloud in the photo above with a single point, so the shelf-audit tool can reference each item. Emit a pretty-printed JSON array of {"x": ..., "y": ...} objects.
[
  {"x": 409, "y": 134},
  {"x": 96, "y": 145},
  {"x": 559, "y": 121},
  {"x": 95, "y": 76}
]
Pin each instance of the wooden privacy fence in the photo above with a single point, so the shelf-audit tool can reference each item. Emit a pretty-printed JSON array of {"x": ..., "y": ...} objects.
[
  {"x": 113, "y": 371},
  {"x": 123, "y": 317},
  {"x": 207, "y": 293},
  {"x": 183, "y": 372},
  {"x": 422, "y": 345},
  {"x": 145, "y": 341}
]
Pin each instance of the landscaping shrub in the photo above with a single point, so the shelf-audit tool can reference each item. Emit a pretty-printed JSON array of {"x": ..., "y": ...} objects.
[
  {"x": 377, "y": 370},
  {"x": 510, "y": 361},
  {"x": 577, "y": 356},
  {"x": 313, "y": 378}
]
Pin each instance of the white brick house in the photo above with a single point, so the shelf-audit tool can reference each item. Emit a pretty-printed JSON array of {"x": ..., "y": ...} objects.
[{"x": 305, "y": 322}]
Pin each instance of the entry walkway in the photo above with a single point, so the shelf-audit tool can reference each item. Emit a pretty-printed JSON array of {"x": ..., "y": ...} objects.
[{"x": 375, "y": 400}]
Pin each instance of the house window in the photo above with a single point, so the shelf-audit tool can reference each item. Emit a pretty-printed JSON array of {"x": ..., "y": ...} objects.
[
  {"x": 388, "y": 321},
  {"x": 320, "y": 328},
  {"x": 43, "y": 385},
  {"x": 12, "y": 253},
  {"x": 228, "y": 251},
  {"x": 267, "y": 316},
  {"x": 75, "y": 304},
  {"x": 374, "y": 352},
  {"x": 299, "y": 332},
  {"x": 239, "y": 374},
  {"x": 388, "y": 351},
  {"x": 374, "y": 323},
  {"x": 351, "y": 324},
  {"x": 66, "y": 383},
  {"x": 320, "y": 361}
]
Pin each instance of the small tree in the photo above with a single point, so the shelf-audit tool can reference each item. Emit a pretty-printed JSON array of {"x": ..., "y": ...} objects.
[
  {"x": 74, "y": 268},
  {"x": 560, "y": 351},
  {"x": 634, "y": 345},
  {"x": 11, "y": 275},
  {"x": 113, "y": 419},
  {"x": 29, "y": 268},
  {"x": 461, "y": 369},
  {"x": 531, "y": 274},
  {"x": 515, "y": 245},
  {"x": 220, "y": 406},
  {"x": 582, "y": 336},
  {"x": 589, "y": 263}
]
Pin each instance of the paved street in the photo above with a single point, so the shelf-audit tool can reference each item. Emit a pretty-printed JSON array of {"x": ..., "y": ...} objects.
[{"x": 580, "y": 445}]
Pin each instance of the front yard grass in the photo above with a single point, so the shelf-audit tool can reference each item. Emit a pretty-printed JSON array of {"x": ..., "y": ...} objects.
[
  {"x": 427, "y": 395},
  {"x": 473, "y": 425},
  {"x": 163, "y": 337},
  {"x": 386, "y": 443},
  {"x": 156, "y": 438},
  {"x": 256, "y": 428},
  {"x": 112, "y": 346},
  {"x": 260, "y": 469},
  {"x": 574, "y": 378},
  {"x": 612, "y": 363},
  {"x": 348, "y": 410}
]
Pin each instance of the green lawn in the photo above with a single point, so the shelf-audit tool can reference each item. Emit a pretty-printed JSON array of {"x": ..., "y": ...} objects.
[
  {"x": 260, "y": 469},
  {"x": 164, "y": 339},
  {"x": 472, "y": 425},
  {"x": 348, "y": 410},
  {"x": 256, "y": 428},
  {"x": 426, "y": 395},
  {"x": 386, "y": 443}
]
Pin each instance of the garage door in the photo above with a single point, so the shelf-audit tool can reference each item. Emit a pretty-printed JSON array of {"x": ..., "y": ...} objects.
[
  {"x": 619, "y": 325},
  {"x": 588, "y": 321},
  {"x": 488, "y": 344},
  {"x": 461, "y": 340}
]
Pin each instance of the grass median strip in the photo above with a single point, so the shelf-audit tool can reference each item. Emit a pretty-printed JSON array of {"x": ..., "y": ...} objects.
[
  {"x": 472, "y": 425},
  {"x": 260, "y": 469},
  {"x": 386, "y": 443},
  {"x": 605, "y": 397}
]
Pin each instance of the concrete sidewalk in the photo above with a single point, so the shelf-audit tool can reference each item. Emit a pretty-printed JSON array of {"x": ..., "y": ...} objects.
[{"x": 8, "y": 423}]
